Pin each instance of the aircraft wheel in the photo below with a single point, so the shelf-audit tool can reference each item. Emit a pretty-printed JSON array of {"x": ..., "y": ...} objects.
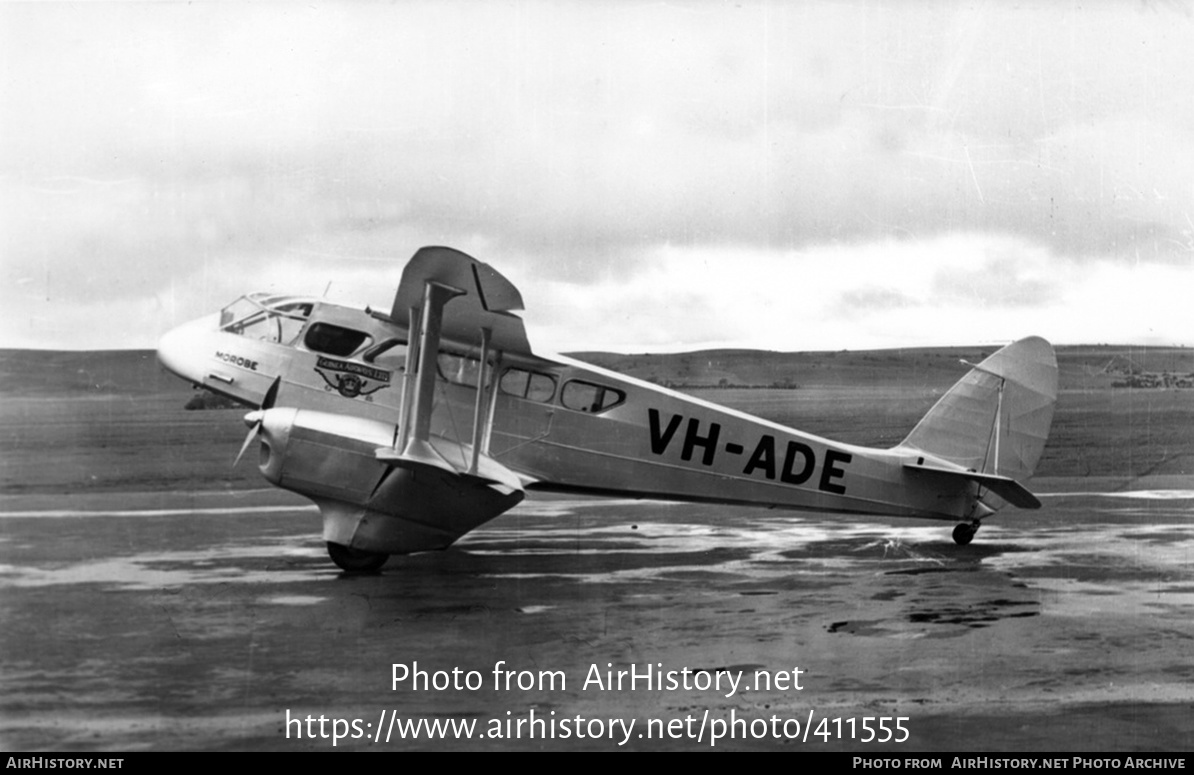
[
  {"x": 964, "y": 534},
  {"x": 356, "y": 560}
]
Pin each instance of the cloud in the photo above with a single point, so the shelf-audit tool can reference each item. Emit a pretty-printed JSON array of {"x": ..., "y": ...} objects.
[
  {"x": 147, "y": 145},
  {"x": 1009, "y": 276},
  {"x": 868, "y": 300},
  {"x": 892, "y": 293}
]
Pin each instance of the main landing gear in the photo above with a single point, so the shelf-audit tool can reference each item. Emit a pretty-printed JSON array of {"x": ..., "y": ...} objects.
[
  {"x": 356, "y": 560},
  {"x": 964, "y": 532}
]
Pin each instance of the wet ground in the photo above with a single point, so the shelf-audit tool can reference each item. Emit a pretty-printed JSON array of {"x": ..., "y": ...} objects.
[{"x": 199, "y": 621}]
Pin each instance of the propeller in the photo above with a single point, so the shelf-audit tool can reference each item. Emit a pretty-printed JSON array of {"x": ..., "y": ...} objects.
[{"x": 254, "y": 419}]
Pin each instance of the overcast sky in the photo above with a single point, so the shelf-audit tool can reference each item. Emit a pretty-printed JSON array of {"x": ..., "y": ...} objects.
[{"x": 653, "y": 176}]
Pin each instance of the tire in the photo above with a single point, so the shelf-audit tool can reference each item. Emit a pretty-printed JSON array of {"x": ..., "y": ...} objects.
[{"x": 356, "y": 560}]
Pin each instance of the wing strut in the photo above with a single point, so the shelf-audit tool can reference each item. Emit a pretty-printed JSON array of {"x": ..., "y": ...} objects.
[
  {"x": 402, "y": 432},
  {"x": 434, "y": 277},
  {"x": 481, "y": 409},
  {"x": 416, "y": 435},
  {"x": 413, "y": 444}
]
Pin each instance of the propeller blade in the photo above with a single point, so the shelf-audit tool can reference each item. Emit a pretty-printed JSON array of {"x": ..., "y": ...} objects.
[
  {"x": 271, "y": 395},
  {"x": 253, "y": 420}
]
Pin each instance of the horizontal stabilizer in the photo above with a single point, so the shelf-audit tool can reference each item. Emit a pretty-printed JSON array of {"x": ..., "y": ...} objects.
[{"x": 1009, "y": 489}]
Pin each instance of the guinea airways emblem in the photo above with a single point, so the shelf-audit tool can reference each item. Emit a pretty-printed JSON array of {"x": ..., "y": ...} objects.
[{"x": 352, "y": 379}]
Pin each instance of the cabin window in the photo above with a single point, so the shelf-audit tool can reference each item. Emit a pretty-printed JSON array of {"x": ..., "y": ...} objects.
[
  {"x": 588, "y": 397},
  {"x": 531, "y": 385},
  {"x": 334, "y": 340},
  {"x": 459, "y": 369}
]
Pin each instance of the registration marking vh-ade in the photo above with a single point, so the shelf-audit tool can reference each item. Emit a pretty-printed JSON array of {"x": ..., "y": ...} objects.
[{"x": 411, "y": 427}]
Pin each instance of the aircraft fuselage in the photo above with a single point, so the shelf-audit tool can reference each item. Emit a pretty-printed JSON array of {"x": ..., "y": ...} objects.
[
  {"x": 411, "y": 428},
  {"x": 651, "y": 442}
]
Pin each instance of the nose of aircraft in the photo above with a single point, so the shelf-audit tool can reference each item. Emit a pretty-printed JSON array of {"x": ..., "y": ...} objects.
[{"x": 183, "y": 352}]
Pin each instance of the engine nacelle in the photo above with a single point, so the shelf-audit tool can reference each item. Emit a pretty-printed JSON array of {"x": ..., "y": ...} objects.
[{"x": 395, "y": 506}]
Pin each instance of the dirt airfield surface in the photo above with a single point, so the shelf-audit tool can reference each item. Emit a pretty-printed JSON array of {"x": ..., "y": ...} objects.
[
  {"x": 150, "y": 598},
  {"x": 199, "y": 621}
]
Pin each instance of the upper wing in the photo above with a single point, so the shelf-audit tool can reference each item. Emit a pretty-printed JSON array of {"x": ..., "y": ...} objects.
[{"x": 484, "y": 299}]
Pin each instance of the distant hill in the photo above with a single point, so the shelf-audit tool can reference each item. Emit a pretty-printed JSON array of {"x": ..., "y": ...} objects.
[
  {"x": 117, "y": 421},
  {"x": 49, "y": 373},
  {"x": 759, "y": 368},
  {"x": 1081, "y": 366},
  {"x": 54, "y": 373}
]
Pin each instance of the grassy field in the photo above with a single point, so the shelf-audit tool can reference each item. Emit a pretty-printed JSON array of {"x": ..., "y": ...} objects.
[{"x": 113, "y": 421}]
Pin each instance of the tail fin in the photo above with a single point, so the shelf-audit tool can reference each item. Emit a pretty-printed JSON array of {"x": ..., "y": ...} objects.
[{"x": 996, "y": 419}]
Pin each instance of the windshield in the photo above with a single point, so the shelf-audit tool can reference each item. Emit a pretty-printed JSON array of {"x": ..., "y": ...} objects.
[{"x": 267, "y": 317}]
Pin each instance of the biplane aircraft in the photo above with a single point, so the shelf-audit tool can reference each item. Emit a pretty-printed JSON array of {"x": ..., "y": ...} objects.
[{"x": 411, "y": 427}]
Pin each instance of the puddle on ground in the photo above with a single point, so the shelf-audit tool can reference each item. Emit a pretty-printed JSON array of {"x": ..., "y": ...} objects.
[{"x": 219, "y": 565}]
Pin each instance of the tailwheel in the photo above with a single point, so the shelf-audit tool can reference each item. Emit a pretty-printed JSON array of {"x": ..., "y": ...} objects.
[
  {"x": 356, "y": 560},
  {"x": 964, "y": 533}
]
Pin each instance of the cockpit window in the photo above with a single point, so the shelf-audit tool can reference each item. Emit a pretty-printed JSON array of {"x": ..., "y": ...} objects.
[
  {"x": 334, "y": 340},
  {"x": 266, "y": 317}
]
